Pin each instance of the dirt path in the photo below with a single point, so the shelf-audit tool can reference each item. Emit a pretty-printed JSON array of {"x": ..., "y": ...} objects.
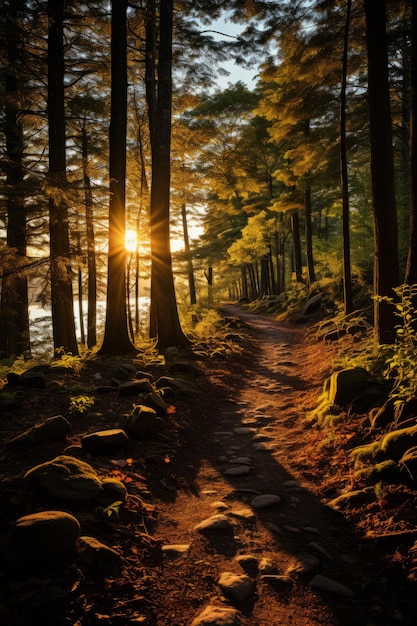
[{"x": 252, "y": 418}]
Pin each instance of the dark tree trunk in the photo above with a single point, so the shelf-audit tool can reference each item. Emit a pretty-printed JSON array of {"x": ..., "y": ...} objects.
[
  {"x": 382, "y": 171},
  {"x": 244, "y": 290},
  {"x": 63, "y": 323},
  {"x": 298, "y": 267},
  {"x": 116, "y": 336},
  {"x": 14, "y": 313},
  {"x": 344, "y": 179},
  {"x": 91, "y": 251},
  {"x": 167, "y": 324},
  {"x": 411, "y": 269},
  {"x": 190, "y": 269},
  {"x": 264, "y": 286},
  {"x": 209, "y": 278},
  {"x": 309, "y": 237}
]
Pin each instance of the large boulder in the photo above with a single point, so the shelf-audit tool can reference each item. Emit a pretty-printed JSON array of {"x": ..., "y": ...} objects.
[
  {"x": 54, "y": 428},
  {"x": 41, "y": 536},
  {"x": 66, "y": 477},
  {"x": 346, "y": 385}
]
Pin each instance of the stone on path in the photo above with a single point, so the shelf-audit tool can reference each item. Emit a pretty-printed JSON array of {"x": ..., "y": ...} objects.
[
  {"x": 40, "y": 536},
  {"x": 244, "y": 514},
  {"x": 305, "y": 564},
  {"x": 175, "y": 550},
  {"x": 238, "y": 470},
  {"x": 217, "y": 616},
  {"x": 215, "y": 522},
  {"x": 277, "y": 580},
  {"x": 249, "y": 563},
  {"x": 237, "y": 587},
  {"x": 264, "y": 500},
  {"x": 241, "y": 460},
  {"x": 244, "y": 430},
  {"x": 327, "y": 584},
  {"x": 266, "y": 566},
  {"x": 143, "y": 422}
]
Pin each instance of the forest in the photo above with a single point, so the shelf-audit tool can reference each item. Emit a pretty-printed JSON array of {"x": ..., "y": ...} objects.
[
  {"x": 114, "y": 124},
  {"x": 208, "y": 305}
]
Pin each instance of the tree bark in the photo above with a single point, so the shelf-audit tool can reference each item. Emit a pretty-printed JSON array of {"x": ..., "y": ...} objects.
[
  {"x": 382, "y": 171},
  {"x": 411, "y": 269},
  {"x": 295, "y": 225},
  {"x": 187, "y": 249},
  {"x": 344, "y": 178},
  {"x": 167, "y": 324},
  {"x": 309, "y": 236},
  {"x": 116, "y": 336},
  {"x": 63, "y": 323},
  {"x": 91, "y": 252},
  {"x": 14, "y": 310}
]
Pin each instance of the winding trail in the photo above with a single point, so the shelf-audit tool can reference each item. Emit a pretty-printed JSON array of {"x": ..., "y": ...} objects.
[{"x": 256, "y": 421}]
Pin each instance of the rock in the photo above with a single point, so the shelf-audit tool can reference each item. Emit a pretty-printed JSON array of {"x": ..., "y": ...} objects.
[
  {"x": 244, "y": 430},
  {"x": 135, "y": 387},
  {"x": 237, "y": 587},
  {"x": 215, "y": 522},
  {"x": 104, "y": 442},
  {"x": 66, "y": 477},
  {"x": 33, "y": 380},
  {"x": 237, "y": 470},
  {"x": 344, "y": 386},
  {"x": 265, "y": 499},
  {"x": 7, "y": 401},
  {"x": 41, "y": 536},
  {"x": 241, "y": 460},
  {"x": 217, "y": 616},
  {"x": 219, "y": 505},
  {"x": 244, "y": 514},
  {"x": 99, "y": 559},
  {"x": 124, "y": 371},
  {"x": 104, "y": 389},
  {"x": 327, "y": 584},
  {"x": 249, "y": 563},
  {"x": 156, "y": 402},
  {"x": 114, "y": 488},
  {"x": 179, "y": 385},
  {"x": 277, "y": 580},
  {"x": 260, "y": 447},
  {"x": 266, "y": 566},
  {"x": 175, "y": 550},
  {"x": 274, "y": 528},
  {"x": 143, "y": 423},
  {"x": 317, "y": 547},
  {"x": 52, "y": 429},
  {"x": 306, "y": 563}
]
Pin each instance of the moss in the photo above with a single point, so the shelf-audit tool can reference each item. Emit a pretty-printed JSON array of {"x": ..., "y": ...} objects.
[
  {"x": 386, "y": 470},
  {"x": 397, "y": 442},
  {"x": 368, "y": 452}
]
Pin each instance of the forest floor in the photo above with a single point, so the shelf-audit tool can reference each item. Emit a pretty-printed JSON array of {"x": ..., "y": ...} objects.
[{"x": 250, "y": 412}]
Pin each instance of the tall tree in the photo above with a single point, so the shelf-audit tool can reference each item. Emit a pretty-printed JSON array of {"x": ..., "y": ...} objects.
[
  {"x": 382, "y": 171},
  {"x": 344, "y": 179},
  {"x": 164, "y": 310},
  {"x": 116, "y": 339},
  {"x": 411, "y": 269},
  {"x": 14, "y": 336},
  {"x": 63, "y": 323}
]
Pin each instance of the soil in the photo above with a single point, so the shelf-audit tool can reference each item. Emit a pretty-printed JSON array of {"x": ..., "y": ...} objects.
[{"x": 177, "y": 480}]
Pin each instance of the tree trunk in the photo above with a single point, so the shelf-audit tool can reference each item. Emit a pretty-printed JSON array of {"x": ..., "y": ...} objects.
[
  {"x": 411, "y": 269},
  {"x": 91, "y": 251},
  {"x": 309, "y": 237},
  {"x": 63, "y": 323},
  {"x": 344, "y": 179},
  {"x": 244, "y": 291},
  {"x": 14, "y": 333},
  {"x": 295, "y": 225},
  {"x": 382, "y": 171},
  {"x": 167, "y": 324},
  {"x": 264, "y": 286},
  {"x": 116, "y": 336},
  {"x": 190, "y": 270}
]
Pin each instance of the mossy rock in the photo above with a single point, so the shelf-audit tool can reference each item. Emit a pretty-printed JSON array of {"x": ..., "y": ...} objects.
[
  {"x": 344, "y": 386},
  {"x": 66, "y": 477},
  {"x": 99, "y": 559},
  {"x": 104, "y": 441},
  {"x": 143, "y": 422}
]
